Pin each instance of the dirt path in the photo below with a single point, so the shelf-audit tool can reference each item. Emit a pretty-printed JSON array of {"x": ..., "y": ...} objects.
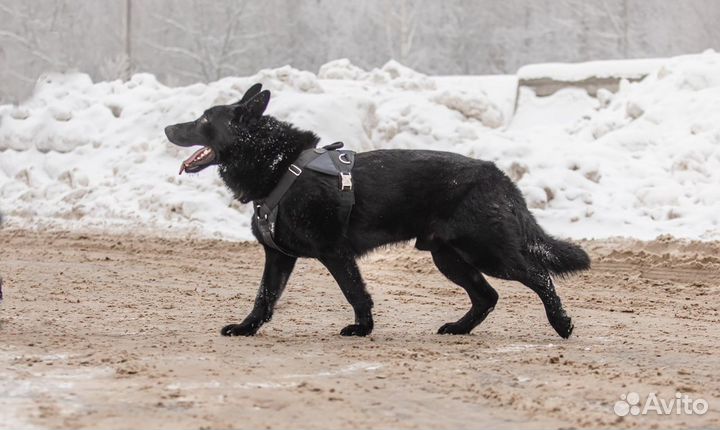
[{"x": 122, "y": 332}]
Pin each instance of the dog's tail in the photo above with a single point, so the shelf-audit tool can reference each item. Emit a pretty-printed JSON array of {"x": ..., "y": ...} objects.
[
  {"x": 556, "y": 256},
  {"x": 559, "y": 257}
]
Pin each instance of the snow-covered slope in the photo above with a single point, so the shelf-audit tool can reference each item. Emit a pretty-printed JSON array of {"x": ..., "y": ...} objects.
[{"x": 642, "y": 162}]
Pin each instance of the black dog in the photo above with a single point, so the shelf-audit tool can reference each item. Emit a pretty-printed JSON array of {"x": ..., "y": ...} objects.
[{"x": 466, "y": 212}]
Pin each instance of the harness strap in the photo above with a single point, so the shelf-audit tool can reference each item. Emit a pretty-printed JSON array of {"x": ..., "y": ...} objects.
[
  {"x": 344, "y": 164},
  {"x": 266, "y": 210}
]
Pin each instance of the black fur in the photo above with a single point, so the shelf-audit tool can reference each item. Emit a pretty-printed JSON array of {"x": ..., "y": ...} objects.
[{"x": 467, "y": 213}]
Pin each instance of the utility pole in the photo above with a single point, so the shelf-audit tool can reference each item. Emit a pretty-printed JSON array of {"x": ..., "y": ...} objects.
[
  {"x": 625, "y": 28},
  {"x": 128, "y": 37}
]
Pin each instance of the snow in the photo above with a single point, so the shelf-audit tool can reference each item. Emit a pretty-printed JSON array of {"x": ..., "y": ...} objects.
[
  {"x": 642, "y": 162},
  {"x": 574, "y": 72}
]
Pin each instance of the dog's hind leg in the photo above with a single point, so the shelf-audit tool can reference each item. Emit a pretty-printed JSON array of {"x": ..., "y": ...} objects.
[
  {"x": 346, "y": 273},
  {"x": 539, "y": 280},
  {"x": 278, "y": 267},
  {"x": 482, "y": 296}
]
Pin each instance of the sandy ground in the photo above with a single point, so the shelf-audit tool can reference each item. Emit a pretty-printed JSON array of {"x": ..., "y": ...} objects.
[{"x": 123, "y": 332}]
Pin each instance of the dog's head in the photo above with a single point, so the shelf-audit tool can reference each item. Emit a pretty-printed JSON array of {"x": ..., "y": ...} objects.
[{"x": 218, "y": 128}]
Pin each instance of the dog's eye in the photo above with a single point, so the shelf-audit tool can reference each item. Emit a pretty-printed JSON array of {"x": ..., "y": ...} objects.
[{"x": 204, "y": 120}]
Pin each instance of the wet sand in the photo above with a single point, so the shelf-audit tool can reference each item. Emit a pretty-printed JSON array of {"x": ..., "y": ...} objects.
[{"x": 122, "y": 331}]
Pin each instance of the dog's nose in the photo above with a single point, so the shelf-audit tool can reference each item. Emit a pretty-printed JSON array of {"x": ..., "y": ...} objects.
[{"x": 169, "y": 132}]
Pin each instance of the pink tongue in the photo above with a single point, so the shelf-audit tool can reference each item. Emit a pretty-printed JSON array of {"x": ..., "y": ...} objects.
[{"x": 188, "y": 162}]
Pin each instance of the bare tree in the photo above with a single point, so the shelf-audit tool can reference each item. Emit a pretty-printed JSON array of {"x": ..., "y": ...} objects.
[
  {"x": 208, "y": 49},
  {"x": 400, "y": 23},
  {"x": 25, "y": 18},
  {"x": 183, "y": 41},
  {"x": 53, "y": 35}
]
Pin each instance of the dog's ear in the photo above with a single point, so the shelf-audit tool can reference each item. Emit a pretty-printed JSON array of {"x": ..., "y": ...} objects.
[
  {"x": 256, "y": 105},
  {"x": 250, "y": 93}
]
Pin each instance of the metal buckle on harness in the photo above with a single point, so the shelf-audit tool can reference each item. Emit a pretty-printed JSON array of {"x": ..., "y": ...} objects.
[
  {"x": 343, "y": 159},
  {"x": 257, "y": 213},
  {"x": 345, "y": 181},
  {"x": 295, "y": 170}
]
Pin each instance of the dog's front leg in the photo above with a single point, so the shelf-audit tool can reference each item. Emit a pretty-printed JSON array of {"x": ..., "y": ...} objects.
[
  {"x": 278, "y": 267},
  {"x": 347, "y": 275}
]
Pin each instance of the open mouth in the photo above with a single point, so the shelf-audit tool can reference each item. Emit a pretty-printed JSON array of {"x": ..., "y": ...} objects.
[{"x": 202, "y": 158}]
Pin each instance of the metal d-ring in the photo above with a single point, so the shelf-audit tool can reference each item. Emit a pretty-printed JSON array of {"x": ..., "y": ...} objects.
[
  {"x": 295, "y": 170},
  {"x": 343, "y": 159}
]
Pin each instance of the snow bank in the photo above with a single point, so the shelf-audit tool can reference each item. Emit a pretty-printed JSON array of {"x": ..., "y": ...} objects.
[
  {"x": 80, "y": 154},
  {"x": 641, "y": 162}
]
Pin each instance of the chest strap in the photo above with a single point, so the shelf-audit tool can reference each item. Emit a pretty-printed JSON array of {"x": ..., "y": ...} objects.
[{"x": 317, "y": 159}]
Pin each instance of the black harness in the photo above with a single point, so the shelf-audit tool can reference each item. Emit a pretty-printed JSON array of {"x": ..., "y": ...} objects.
[{"x": 327, "y": 160}]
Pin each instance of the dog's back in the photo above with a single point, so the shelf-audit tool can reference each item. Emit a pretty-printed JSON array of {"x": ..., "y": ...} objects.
[{"x": 434, "y": 195}]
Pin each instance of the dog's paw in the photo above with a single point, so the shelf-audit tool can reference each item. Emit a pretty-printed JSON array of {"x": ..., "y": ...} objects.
[
  {"x": 239, "y": 330},
  {"x": 454, "y": 328},
  {"x": 356, "y": 330},
  {"x": 563, "y": 326}
]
